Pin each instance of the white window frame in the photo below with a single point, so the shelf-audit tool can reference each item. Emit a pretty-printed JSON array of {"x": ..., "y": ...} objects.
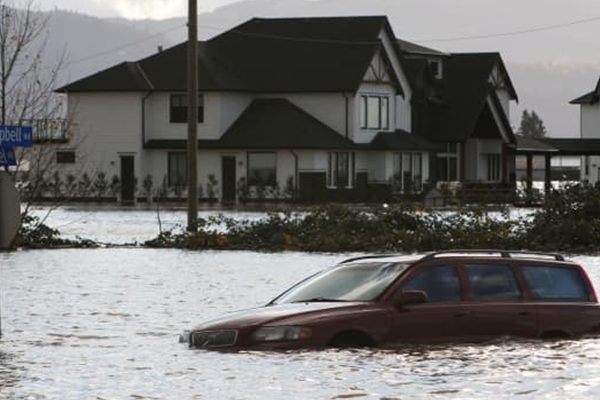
[
  {"x": 175, "y": 179},
  {"x": 449, "y": 156},
  {"x": 494, "y": 167},
  {"x": 381, "y": 105},
  {"x": 249, "y": 167},
  {"x": 399, "y": 176},
  {"x": 332, "y": 169}
]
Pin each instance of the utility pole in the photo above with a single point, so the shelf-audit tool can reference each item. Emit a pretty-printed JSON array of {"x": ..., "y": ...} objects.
[{"x": 192, "y": 142}]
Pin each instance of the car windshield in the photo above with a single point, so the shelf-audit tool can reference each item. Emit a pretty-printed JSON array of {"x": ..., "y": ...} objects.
[{"x": 349, "y": 282}]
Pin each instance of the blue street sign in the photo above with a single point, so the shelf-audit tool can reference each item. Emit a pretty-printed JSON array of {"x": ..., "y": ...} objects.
[
  {"x": 7, "y": 156},
  {"x": 16, "y": 136}
]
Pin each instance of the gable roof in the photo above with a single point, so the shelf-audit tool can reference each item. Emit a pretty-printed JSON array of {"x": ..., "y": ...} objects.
[
  {"x": 260, "y": 55},
  {"x": 465, "y": 90}
]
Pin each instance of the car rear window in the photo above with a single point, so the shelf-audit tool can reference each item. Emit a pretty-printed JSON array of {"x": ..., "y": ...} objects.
[
  {"x": 490, "y": 282},
  {"x": 553, "y": 283},
  {"x": 440, "y": 282}
]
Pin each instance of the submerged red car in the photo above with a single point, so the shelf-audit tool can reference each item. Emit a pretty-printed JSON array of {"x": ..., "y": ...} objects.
[{"x": 443, "y": 296}]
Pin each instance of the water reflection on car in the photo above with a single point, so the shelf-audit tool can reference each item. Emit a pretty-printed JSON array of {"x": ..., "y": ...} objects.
[{"x": 444, "y": 296}]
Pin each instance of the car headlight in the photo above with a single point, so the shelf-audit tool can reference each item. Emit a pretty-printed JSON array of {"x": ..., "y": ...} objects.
[{"x": 280, "y": 333}]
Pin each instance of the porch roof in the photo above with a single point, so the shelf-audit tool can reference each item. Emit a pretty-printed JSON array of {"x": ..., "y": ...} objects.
[
  {"x": 558, "y": 146},
  {"x": 278, "y": 123},
  {"x": 530, "y": 145},
  {"x": 575, "y": 146}
]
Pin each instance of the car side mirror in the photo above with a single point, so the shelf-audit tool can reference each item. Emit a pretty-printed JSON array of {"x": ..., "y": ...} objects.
[{"x": 410, "y": 297}]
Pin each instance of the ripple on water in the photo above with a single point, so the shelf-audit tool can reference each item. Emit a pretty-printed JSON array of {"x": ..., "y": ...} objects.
[{"x": 103, "y": 324}]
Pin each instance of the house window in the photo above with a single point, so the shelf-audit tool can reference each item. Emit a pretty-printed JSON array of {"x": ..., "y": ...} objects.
[
  {"x": 436, "y": 68},
  {"x": 374, "y": 112},
  {"x": 341, "y": 170},
  {"x": 177, "y": 168},
  {"x": 262, "y": 169},
  {"x": 179, "y": 106},
  {"x": 447, "y": 163},
  {"x": 408, "y": 172},
  {"x": 65, "y": 157},
  {"x": 493, "y": 167}
]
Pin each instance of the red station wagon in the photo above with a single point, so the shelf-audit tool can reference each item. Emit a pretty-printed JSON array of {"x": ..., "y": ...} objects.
[{"x": 460, "y": 295}]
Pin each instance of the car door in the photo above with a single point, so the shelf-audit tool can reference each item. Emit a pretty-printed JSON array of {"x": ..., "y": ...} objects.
[
  {"x": 562, "y": 299},
  {"x": 441, "y": 318},
  {"x": 496, "y": 303}
]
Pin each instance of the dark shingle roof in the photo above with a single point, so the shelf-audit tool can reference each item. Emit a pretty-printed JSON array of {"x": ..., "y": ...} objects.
[
  {"x": 414, "y": 48},
  {"x": 465, "y": 89},
  {"x": 261, "y": 55},
  {"x": 574, "y": 146},
  {"x": 123, "y": 77},
  {"x": 530, "y": 145},
  {"x": 277, "y": 124}
]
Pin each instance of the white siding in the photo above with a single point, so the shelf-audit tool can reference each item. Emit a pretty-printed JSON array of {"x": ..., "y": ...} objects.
[
  {"x": 106, "y": 125},
  {"x": 220, "y": 111}
]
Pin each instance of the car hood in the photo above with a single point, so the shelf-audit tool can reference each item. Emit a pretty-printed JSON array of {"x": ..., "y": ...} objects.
[{"x": 274, "y": 313}]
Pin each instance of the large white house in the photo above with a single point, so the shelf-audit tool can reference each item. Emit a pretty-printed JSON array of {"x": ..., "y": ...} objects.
[{"x": 322, "y": 108}]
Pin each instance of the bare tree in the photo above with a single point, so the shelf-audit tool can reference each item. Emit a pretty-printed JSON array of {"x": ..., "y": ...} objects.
[{"x": 27, "y": 93}]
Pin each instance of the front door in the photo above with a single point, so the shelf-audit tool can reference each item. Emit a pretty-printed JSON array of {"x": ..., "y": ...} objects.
[
  {"x": 127, "y": 180},
  {"x": 228, "y": 178}
]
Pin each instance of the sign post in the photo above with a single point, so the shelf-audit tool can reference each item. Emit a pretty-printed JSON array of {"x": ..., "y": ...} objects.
[{"x": 10, "y": 204}]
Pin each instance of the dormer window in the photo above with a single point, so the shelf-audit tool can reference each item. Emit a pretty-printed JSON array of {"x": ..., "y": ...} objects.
[
  {"x": 436, "y": 68},
  {"x": 374, "y": 112}
]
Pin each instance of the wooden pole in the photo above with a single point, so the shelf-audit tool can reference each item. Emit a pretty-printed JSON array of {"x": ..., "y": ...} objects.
[{"x": 192, "y": 142}]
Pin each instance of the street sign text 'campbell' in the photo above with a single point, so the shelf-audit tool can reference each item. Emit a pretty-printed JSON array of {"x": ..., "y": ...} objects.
[{"x": 16, "y": 136}]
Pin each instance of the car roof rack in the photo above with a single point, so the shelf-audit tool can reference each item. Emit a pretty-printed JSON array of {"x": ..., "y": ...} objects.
[
  {"x": 376, "y": 256},
  {"x": 502, "y": 253}
]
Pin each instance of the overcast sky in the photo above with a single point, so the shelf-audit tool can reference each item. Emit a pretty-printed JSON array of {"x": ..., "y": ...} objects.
[{"x": 135, "y": 9}]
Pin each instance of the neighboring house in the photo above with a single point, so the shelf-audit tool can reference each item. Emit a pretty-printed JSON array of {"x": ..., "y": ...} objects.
[
  {"x": 324, "y": 108},
  {"x": 588, "y": 146}
]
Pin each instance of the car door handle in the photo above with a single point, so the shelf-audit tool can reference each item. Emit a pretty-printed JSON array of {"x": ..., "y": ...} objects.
[
  {"x": 461, "y": 314},
  {"x": 524, "y": 313}
]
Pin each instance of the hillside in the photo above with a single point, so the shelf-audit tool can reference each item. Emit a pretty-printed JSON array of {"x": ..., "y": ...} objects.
[{"x": 548, "y": 70}]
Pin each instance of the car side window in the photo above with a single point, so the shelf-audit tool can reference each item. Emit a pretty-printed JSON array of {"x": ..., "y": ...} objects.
[
  {"x": 551, "y": 283},
  {"x": 491, "y": 282},
  {"x": 440, "y": 282}
]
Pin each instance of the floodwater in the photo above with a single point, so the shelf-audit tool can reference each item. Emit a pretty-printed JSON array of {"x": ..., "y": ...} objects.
[{"x": 103, "y": 324}]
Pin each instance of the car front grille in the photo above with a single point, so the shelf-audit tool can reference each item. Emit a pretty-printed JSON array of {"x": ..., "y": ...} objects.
[{"x": 213, "y": 338}]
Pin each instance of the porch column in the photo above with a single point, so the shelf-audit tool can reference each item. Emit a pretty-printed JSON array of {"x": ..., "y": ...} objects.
[
  {"x": 547, "y": 174},
  {"x": 529, "y": 173},
  {"x": 462, "y": 173}
]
